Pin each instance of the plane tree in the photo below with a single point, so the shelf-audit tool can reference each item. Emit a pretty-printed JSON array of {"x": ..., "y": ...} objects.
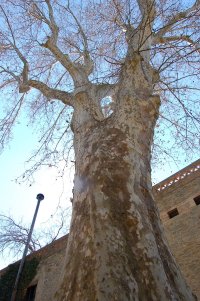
[{"x": 105, "y": 71}]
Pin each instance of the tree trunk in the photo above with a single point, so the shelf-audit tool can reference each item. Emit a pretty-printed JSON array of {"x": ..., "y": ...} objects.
[{"x": 116, "y": 247}]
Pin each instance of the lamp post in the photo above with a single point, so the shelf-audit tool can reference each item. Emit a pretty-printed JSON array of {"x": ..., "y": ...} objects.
[{"x": 39, "y": 197}]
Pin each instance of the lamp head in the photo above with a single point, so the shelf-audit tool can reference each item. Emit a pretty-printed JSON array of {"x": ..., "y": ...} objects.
[{"x": 40, "y": 197}]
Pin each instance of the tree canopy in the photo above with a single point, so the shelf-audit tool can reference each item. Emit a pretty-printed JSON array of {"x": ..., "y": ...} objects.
[{"x": 51, "y": 49}]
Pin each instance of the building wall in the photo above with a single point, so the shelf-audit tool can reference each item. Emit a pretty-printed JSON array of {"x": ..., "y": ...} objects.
[
  {"x": 49, "y": 269},
  {"x": 48, "y": 276},
  {"x": 183, "y": 230}
]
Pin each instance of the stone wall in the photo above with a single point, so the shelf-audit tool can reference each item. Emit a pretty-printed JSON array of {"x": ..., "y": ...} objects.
[
  {"x": 176, "y": 194},
  {"x": 49, "y": 269}
]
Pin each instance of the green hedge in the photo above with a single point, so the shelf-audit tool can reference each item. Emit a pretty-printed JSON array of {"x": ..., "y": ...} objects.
[{"x": 7, "y": 280}]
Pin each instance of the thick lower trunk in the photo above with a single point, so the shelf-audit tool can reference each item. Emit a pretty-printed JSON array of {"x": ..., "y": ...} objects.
[{"x": 116, "y": 248}]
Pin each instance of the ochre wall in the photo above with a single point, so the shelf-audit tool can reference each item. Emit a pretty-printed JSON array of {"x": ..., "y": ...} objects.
[
  {"x": 183, "y": 230},
  {"x": 49, "y": 269},
  {"x": 48, "y": 276}
]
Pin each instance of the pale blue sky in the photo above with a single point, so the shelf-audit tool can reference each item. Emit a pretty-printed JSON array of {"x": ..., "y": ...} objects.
[{"x": 19, "y": 200}]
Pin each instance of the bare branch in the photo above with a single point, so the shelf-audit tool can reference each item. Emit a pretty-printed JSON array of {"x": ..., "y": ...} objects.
[
  {"x": 13, "y": 236},
  {"x": 38, "y": 14},
  {"x": 119, "y": 17},
  {"x": 16, "y": 77},
  {"x": 75, "y": 69},
  {"x": 52, "y": 23},
  {"x": 14, "y": 233},
  {"x": 88, "y": 63},
  {"x": 13, "y": 44},
  {"x": 9, "y": 120},
  {"x": 188, "y": 39},
  {"x": 51, "y": 93},
  {"x": 24, "y": 76},
  {"x": 51, "y": 42},
  {"x": 176, "y": 18}
]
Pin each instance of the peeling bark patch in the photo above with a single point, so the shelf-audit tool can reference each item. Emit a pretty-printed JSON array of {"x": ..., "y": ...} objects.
[{"x": 111, "y": 169}]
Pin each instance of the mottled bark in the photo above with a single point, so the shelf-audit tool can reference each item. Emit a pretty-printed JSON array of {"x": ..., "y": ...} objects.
[{"x": 116, "y": 247}]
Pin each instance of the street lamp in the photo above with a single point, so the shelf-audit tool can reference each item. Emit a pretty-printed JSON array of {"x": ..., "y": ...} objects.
[{"x": 39, "y": 197}]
